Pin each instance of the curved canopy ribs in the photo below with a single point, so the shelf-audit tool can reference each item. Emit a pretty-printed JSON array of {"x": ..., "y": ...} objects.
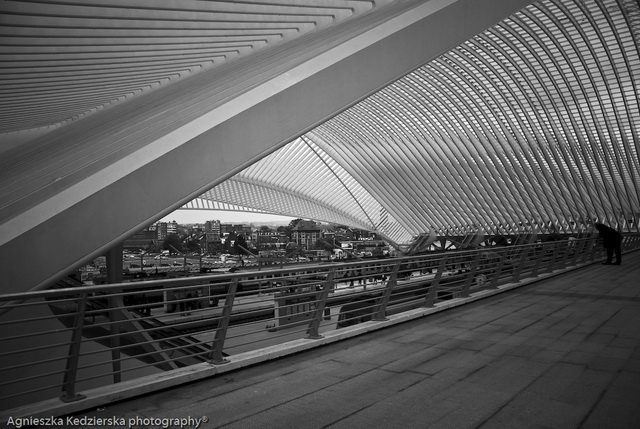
[
  {"x": 535, "y": 120},
  {"x": 405, "y": 117}
]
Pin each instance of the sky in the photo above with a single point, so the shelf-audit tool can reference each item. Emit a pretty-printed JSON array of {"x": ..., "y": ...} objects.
[{"x": 201, "y": 216}]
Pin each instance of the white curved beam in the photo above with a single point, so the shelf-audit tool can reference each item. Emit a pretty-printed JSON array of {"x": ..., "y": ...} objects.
[{"x": 103, "y": 177}]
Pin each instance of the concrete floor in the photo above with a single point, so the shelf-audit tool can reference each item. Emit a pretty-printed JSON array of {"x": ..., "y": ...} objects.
[{"x": 562, "y": 353}]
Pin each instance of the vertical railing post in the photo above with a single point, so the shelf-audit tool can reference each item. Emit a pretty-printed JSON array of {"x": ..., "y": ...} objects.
[
  {"x": 518, "y": 271},
  {"x": 71, "y": 371},
  {"x": 580, "y": 251},
  {"x": 595, "y": 244},
  {"x": 554, "y": 257},
  {"x": 113, "y": 259},
  {"x": 314, "y": 325},
  {"x": 587, "y": 249},
  {"x": 563, "y": 254},
  {"x": 381, "y": 313},
  {"x": 559, "y": 253},
  {"x": 432, "y": 294},
  {"x": 567, "y": 254},
  {"x": 576, "y": 249},
  {"x": 539, "y": 255},
  {"x": 498, "y": 273},
  {"x": 471, "y": 275},
  {"x": 216, "y": 356},
  {"x": 115, "y": 319}
]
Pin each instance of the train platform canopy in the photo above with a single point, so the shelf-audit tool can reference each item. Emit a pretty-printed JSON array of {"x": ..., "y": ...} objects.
[{"x": 402, "y": 117}]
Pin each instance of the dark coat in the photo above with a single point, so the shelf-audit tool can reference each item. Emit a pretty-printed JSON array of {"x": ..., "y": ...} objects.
[{"x": 610, "y": 237}]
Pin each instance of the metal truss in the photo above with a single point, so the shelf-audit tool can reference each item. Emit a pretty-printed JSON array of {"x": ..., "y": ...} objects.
[{"x": 532, "y": 122}]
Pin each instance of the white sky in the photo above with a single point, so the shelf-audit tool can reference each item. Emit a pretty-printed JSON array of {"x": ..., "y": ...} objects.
[{"x": 201, "y": 216}]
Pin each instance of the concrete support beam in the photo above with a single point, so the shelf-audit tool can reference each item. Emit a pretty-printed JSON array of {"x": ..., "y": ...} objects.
[{"x": 64, "y": 229}]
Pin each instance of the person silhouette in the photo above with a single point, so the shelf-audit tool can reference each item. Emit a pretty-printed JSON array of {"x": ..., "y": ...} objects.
[{"x": 612, "y": 242}]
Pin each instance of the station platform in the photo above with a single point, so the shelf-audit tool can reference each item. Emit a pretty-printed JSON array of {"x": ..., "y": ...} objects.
[{"x": 559, "y": 353}]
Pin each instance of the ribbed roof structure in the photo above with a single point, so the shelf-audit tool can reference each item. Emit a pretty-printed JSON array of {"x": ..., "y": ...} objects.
[
  {"x": 302, "y": 178},
  {"x": 63, "y": 60},
  {"x": 536, "y": 120},
  {"x": 399, "y": 116}
]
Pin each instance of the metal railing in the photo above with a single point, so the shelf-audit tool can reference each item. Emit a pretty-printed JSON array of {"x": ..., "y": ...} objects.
[{"x": 58, "y": 343}]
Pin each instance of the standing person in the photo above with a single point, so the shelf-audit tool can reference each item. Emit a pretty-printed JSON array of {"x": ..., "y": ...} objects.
[{"x": 612, "y": 241}]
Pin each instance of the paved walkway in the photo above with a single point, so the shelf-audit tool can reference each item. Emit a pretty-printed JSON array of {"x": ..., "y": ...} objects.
[{"x": 562, "y": 353}]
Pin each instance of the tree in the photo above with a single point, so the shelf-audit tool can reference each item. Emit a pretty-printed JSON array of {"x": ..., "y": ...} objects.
[
  {"x": 288, "y": 230},
  {"x": 294, "y": 223}
]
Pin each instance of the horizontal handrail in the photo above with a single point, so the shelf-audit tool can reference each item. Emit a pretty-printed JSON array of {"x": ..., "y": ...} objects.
[
  {"x": 62, "y": 341},
  {"x": 263, "y": 274}
]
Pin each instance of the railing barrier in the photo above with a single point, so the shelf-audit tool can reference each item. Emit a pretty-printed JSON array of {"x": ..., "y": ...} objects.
[
  {"x": 63, "y": 342},
  {"x": 221, "y": 330}
]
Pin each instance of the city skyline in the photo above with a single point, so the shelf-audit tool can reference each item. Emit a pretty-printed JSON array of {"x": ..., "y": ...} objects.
[{"x": 201, "y": 216}]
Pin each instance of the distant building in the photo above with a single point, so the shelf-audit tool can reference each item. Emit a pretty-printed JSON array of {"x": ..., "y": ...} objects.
[
  {"x": 330, "y": 236},
  {"x": 366, "y": 247},
  {"x": 242, "y": 229},
  {"x": 165, "y": 228},
  {"x": 343, "y": 234},
  {"x": 362, "y": 234},
  {"x": 161, "y": 230},
  {"x": 144, "y": 239},
  {"x": 305, "y": 234},
  {"x": 213, "y": 226},
  {"x": 269, "y": 240}
]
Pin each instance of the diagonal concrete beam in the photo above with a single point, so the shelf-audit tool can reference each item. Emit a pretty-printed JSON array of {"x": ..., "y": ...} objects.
[{"x": 67, "y": 222}]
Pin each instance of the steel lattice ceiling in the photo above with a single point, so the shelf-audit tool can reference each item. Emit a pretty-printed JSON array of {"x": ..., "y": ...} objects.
[
  {"x": 61, "y": 61},
  {"x": 533, "y": 121}
]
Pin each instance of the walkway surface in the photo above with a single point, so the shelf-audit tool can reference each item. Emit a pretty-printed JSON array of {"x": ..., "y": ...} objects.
[{"x": 562, "y": 353}]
